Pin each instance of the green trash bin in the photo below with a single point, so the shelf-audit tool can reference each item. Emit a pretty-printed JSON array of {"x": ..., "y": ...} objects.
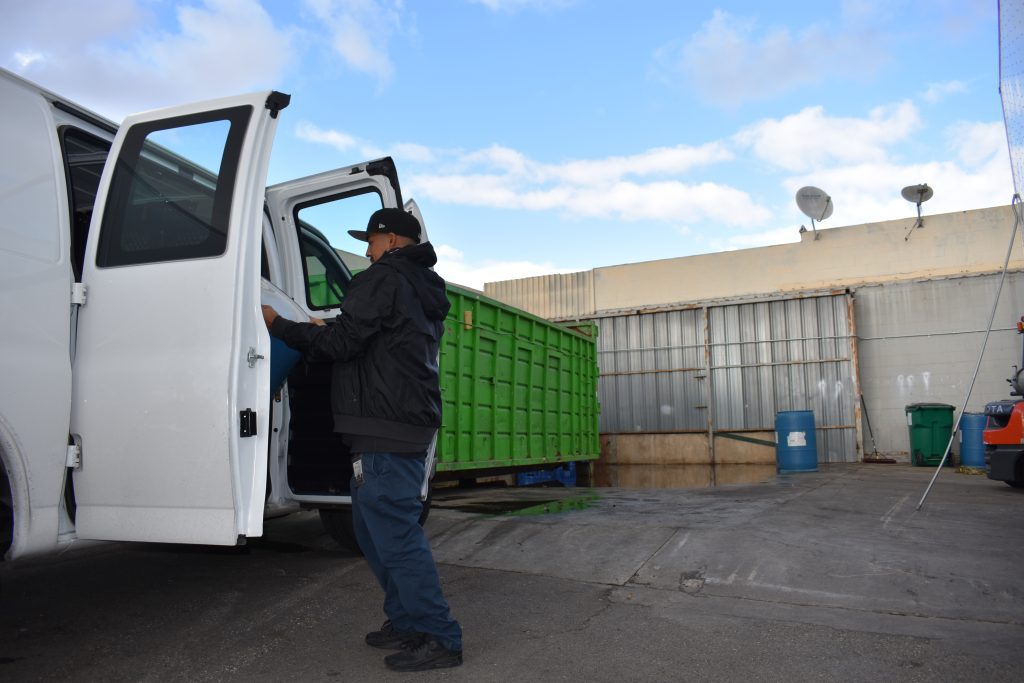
[{"x": 930, "y": 426}]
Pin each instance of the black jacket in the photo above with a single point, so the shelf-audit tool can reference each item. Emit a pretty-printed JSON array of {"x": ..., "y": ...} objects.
[{"x": 384, "y": 345}]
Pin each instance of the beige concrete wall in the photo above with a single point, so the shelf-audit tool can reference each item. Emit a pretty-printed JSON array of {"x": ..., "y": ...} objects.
[
  {"x": 965, "y": 242},
  {"x": 733, "y": 452},
  {"x": 680, "y": 461}
]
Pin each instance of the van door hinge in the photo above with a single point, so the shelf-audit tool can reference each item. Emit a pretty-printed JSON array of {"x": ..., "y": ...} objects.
[
  {"x": 79, "y": 293},
  {"x": 247, "y": 422},
  {"x": 74, "y": 458}
]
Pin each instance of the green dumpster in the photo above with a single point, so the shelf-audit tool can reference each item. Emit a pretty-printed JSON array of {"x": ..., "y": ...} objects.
[
  {"x": 930, "y": 426},
  {"x": 519, "y": 392}
]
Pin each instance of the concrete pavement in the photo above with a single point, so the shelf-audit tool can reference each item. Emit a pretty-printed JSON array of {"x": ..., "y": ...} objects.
[{"x": 819, "y": 576}]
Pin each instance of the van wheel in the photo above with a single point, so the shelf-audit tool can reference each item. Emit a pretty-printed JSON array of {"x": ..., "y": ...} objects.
[
  {"x": 338, "y": 524},
  {"x": 6, "y": 513}
]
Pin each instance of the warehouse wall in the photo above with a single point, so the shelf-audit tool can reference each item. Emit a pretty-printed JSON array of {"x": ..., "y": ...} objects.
[
  {"x": 679, "y": 388},
  {"x": 921, "y": 300}
]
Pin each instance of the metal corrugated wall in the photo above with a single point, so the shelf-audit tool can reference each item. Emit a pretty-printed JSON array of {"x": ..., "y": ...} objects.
[
  {"x": 652, "y": 372},
  {"x": 737, "y": 364}
]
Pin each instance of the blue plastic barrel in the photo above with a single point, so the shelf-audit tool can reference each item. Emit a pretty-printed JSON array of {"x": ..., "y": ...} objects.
[
  {"x": 282, "y": 359},
  {"x": 972, "y": 447},
  {"x": 796, "y": 448}
]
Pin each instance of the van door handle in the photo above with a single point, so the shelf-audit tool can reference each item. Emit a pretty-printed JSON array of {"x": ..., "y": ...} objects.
[{"x": 253, "y": 357}]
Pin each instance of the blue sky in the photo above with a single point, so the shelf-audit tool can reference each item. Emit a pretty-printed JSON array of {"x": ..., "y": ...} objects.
[{"x": 543, "y": 136}]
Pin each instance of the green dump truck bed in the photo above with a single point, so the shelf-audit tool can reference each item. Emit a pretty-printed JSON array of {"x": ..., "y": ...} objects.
[{"x": 518, "y": 391}]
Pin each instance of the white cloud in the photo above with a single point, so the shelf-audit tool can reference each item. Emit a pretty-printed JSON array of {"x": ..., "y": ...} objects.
[
  {"x": 501, "y": 158},
  {"x": 855, "y": 159},
  {"x": 607, "y": 188},
  {"x": 654, "y": 162},
  {"x": 730, "y": 61},
  {"x": 342, "y": 142},
  {"x": 868, "y": 189},
  {"x": 976, "y": 143},
  {"x": 870, "y": 192},
  {"x": 224, "y": 40},
  {"x": 360, "y": 31},
  {"x": 109, "y": 57},
  {"x": 451, "y": 265},
  {"x": 413, "y": 152},
  {"x": 23, "y": 60},
  {"x": 670, "y": 201},
  {"x": 937, "y": 92},
  {"x": 501, "y": 177},
  {"x": 56, "y": 30},
  {"x": 809, "y": 139}
]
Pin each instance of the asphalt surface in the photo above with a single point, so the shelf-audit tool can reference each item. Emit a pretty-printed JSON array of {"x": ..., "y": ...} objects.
[{"x": 820, "y": 576}]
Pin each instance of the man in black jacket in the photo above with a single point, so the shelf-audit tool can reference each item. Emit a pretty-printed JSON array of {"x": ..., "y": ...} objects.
[{"x": 387, "y": 403}]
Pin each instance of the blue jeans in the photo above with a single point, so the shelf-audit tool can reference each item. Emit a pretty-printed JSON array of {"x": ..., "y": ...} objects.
[{"x": 385, "y": 511}]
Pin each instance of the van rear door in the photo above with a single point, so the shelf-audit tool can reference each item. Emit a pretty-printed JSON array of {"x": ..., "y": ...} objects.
[{"x": 171, "y": 382}]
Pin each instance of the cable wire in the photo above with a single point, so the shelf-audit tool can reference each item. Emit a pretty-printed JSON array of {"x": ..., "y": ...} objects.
[{"x": 1016, "y": 204}]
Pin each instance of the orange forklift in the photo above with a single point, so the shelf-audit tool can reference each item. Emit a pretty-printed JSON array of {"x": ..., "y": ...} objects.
[{"x": 1004, "y": 431}]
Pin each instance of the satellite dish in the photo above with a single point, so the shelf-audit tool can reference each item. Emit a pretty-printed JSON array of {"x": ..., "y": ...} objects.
[
  {"x": 917, "y": 194},
  {"x": 815, "y": 203}
]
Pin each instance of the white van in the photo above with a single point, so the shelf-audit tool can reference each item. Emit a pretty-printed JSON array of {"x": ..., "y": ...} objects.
[{"x": 135, "y": 396}]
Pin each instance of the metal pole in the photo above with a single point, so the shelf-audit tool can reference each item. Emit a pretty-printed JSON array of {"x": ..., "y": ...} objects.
[{"x": 977, "y": 369}]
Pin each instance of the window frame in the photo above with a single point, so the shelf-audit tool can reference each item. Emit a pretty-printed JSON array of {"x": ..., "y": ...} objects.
[{"x": 110, "y": 252}]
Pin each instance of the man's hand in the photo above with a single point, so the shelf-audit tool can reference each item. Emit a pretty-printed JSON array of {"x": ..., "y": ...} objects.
[{"x": 269, "y": 315}]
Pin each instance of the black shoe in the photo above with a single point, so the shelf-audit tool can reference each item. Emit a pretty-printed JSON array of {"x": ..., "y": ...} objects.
[
  {"x": 428, "y": 654},
  {"x": 387, "y": 638}
]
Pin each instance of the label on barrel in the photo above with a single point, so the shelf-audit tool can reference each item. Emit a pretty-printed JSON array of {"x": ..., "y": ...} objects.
[{"x": 796, "y": 439}]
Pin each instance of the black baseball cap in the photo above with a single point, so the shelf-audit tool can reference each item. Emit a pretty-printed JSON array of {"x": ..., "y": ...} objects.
[{"x": 389, "y": 220}]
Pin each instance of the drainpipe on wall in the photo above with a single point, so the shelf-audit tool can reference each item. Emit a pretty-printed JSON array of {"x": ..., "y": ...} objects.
[{"x": 708, "y": 393}]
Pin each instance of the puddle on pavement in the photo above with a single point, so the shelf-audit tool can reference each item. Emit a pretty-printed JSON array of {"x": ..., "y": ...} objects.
[
  {"x": 527, "y": 508},
  {"x": 555, "y": 506}
]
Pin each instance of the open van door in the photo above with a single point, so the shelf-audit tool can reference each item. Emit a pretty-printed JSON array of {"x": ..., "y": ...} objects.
[
  {"x": 171, "y": 384},
  {"x": 310, "y": 218}
]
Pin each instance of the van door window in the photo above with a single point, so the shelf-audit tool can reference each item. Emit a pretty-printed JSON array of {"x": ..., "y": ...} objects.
[
  {"x": 326, "y": 275},
  {"x": 84, "y": 156},
  {"x": 323, "y": 233},
  {"x": 162, "y": 207}
]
